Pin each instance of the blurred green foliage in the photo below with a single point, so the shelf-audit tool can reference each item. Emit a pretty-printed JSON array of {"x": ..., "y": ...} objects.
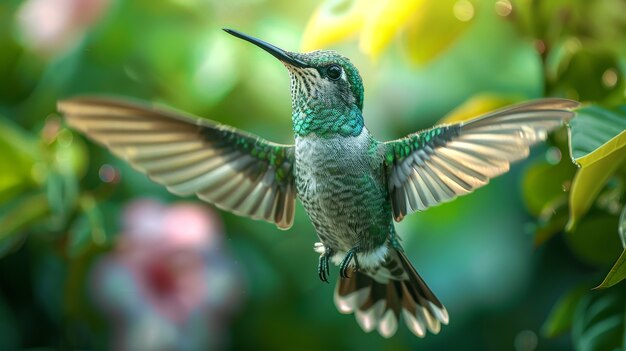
[{"x": 534, "y": 241}]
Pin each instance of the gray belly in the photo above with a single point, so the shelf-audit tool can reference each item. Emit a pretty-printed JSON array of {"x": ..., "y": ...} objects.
[{"x": 343, "y": 193}]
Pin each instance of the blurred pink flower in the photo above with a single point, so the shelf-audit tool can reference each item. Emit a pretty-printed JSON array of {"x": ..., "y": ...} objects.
[
  {"x": 169, "y": 282},
  {"x": 53, "y": 26}
]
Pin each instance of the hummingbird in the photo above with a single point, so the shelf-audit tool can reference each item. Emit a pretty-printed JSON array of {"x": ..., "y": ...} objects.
[{"x": 352, "y": 186}]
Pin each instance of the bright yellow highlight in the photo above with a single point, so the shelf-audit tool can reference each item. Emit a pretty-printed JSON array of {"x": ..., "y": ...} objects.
[
  {"x": 333, "y": 21},
  {"x": 384, "y": 21},
  {"x": 427, "y": 27},
  {"x": 478, "y": 105}
]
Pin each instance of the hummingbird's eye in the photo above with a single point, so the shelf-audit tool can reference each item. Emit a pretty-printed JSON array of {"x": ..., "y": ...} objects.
[{"x": 334, "y": 72}]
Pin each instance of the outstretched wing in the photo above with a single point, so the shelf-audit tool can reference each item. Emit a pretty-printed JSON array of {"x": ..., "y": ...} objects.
[
  {"x": 434, "y": 166},
  {"x": 233, "y": 170}
]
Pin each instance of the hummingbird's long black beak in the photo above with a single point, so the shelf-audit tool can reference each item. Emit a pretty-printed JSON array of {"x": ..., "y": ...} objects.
[{"x": 277, "y": 52}]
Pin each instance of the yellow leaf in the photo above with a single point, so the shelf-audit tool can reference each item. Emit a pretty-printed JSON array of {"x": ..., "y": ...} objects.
[
  {"x": 436, "y": 27},
  {"x": 478, "y": 105},
  {"x": 588, "y": 182},
  {"x": 334, "y": 21},
  {"x": 598, "y": 145},
  {"x": 383, "y": 21},
  {"x": 616, "y": 274},
  {"x": 612, "y": 146}
]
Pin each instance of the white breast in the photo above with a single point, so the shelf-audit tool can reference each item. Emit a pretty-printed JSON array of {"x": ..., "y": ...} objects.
[{"x": 349, "y": 151}]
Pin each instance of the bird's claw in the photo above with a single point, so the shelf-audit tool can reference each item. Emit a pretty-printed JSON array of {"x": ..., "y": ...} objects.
[
  {"x": 345, "y": 264},
  {"x": 323, "y": 268}
]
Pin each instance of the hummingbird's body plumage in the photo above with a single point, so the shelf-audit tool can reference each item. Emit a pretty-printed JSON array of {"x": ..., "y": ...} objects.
[
  {"x": 339, "y": 173},
  {"x": 340, "y": 181},
  {"x": 352, "y": 186}
]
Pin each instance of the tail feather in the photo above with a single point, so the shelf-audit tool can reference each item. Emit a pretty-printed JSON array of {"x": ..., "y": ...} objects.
[{"x": 380, "y": 296}]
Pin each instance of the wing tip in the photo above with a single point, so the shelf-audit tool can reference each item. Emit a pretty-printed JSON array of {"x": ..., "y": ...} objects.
[
  {"x": 66, "y": 106},
  {"x": 556, "y": 103},
  {"x": 61, "y": 105},
  {"x": 82, "y": 99},
  {"x": 284, "y": 226},
  {"x": 572, "y": 104}
]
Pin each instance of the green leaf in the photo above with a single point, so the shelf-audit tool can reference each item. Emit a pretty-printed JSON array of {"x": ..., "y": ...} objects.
[
  {"x": 11, "y": 243},
  {"x": 18, "y": 215},
  {"x": 603, "y": 306},
  {"x": 76, "y": 301},
  {"x": 69, "y": 153},
  {"x": 9, "y": 327},
  {"x": 539, "y": 18},
  {"x": 543, "y": 185},
  {"x": 20, "y": 69},
  {"x": 551, "y": 221},
  {"x": 561, "y": 317},
  {"x": 88, "y": 229},
  {"x": 599, "y": 321},
  {"x": 587, "y": 184},
  {"x": 616, "y": 274},
  {"x": 594, "y": 241},
  {"x": 19, "y": 153},
  {"x": 582, "y": 76},
  {"x": 621, "y": 229},
  {"x": 602, "y": 335},
  {"x": 597, "y": 140},
  {"x": 597, "y": 132}
]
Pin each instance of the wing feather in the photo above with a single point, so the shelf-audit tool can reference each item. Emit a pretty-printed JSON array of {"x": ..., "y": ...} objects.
[
  {"x": 221, "y": 165},
  {"x": 452, "y": 160}
]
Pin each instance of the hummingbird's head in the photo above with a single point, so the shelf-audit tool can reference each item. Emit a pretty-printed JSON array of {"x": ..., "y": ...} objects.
[
  {"x": 325, "y": 74},
  {"x": 326, "y": 90}
]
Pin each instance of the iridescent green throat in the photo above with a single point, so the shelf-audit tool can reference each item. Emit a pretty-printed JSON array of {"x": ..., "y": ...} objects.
[{"x": 329, "y": 122}]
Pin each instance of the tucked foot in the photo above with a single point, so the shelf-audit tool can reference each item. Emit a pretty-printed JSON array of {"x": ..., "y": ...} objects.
[
  {"x": 343, "y": 270},
  {"x": 323, "y": 269}
]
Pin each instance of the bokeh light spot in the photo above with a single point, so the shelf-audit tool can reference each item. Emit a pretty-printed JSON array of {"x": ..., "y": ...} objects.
[
  {"x": 51, "y": 127},
  {"x": 503, "y": 7},
  {"x": 566, "y": 185},
  {"x": 463, "y": 10},
  {"x": 526, "y": 340},
  {"x": 108, "y": 174},
  {"x": 572, "y": 45},
  {"x": 609, "y": 78},
  {"x": 65, "y": 138},
  {"x": 553, "y": 155}
]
